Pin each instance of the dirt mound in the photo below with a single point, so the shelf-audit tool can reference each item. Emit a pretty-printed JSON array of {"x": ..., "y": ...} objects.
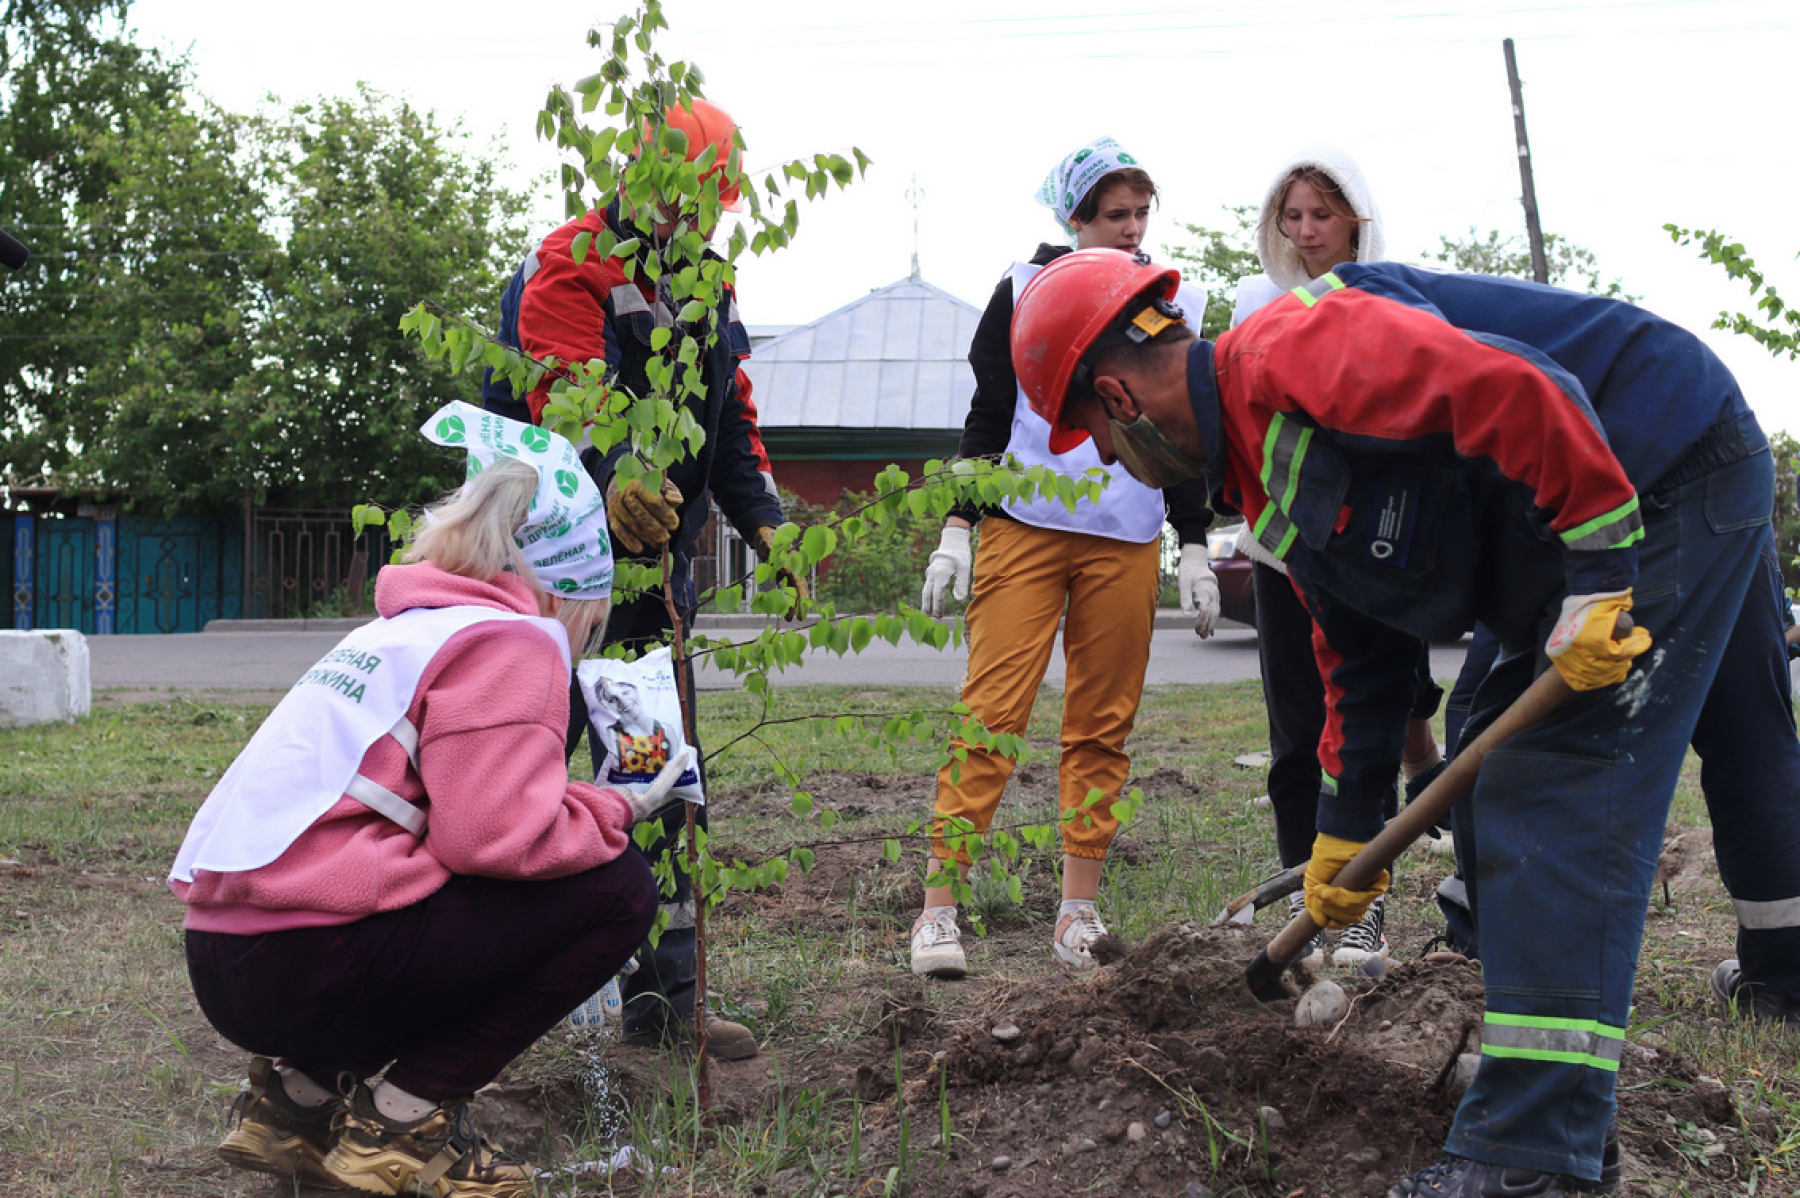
[{"x": 1160, "y": 1071}]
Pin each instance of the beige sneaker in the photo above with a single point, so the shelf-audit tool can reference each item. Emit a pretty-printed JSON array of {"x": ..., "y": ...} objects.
[
  {"x": 937, "y": 946},
  {"x": 1075, "y": 936},
  {"x": 271, "y": 1133},
  {"x": 443, "y": 1154}
]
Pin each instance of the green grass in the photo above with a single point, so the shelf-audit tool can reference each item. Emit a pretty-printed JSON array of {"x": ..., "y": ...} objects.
[{"x": 112, "y": 1083}]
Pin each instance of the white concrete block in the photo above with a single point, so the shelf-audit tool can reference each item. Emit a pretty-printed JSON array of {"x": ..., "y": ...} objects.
[{"x": 43, "y": 677}]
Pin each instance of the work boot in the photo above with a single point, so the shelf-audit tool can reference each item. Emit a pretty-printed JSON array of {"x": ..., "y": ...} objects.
[
  {"x": 725, "y": 1040},
  {"x": 1075, "y": 936},
  {"x": 1314, "y": 955},
  {"x": 442, "y": 1154},
  {"x": 1365, "y": 938},
  {"x": 1747, "y": 1000},
  {"x": 937, "y": 945},
  {"x": 1460, "y": 1177},
  {"x": 271, "y": 1133}
]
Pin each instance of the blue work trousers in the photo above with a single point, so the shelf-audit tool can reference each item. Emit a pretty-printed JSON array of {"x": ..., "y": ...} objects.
[
  {"x": 1750, "y": 774},
  {"x": 1561, "y": 835}
]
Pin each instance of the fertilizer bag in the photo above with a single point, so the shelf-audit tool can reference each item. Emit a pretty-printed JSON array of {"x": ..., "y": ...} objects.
[{"x": 634, "y": 715}]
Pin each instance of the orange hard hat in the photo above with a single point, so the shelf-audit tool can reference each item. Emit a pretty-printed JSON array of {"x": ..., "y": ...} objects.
[
  {"x": 1081, "y": 302},
  {"x": 706, "y": 124}
]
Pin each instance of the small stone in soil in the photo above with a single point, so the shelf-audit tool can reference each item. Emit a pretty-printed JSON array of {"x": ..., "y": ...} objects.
[
  {"x": 1374, "y": 967},
  {"x": 1164, "y": 1119},
  {"x": 1323, "y": 1004},
  {"x": 1384, "y": 1025},
  {"x": 1136, "y": 1133},
  {"x": 1365, "y": 1156},
  {"x": 1005, "y": 1032},
  {"x": 1002, "y": 1164},
  {"x": 1196, "y": 1190},
  {"x": 1466, "y": 1065},
  {"x": 1272, "y": 1119}
]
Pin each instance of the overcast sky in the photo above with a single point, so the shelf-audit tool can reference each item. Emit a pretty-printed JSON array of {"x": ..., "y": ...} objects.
[{"x": 1640, "y": 112}]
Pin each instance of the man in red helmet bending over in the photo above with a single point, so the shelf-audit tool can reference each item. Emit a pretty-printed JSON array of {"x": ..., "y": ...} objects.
[
  {"x": 1425, "y": 451},
  {"x": 590, "y": 310}
]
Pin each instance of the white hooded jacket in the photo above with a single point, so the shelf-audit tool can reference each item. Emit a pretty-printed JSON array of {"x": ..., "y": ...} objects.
[{"x": 1283, "y": 268}]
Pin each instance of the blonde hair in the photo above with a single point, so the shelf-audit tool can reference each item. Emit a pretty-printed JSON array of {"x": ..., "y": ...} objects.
[{"x": 470, "y": 532}]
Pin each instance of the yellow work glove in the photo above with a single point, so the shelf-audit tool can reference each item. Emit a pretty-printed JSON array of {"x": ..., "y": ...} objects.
[
  {"x": 1333, "y": 906},
  {"x": 764, "y": 544},
  {"x": 1582, "y": 647},
  {"x": 639, "y": 518}
]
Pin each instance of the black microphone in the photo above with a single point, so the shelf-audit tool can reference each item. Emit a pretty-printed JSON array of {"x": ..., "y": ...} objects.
[{"x": 12, "y": 252}]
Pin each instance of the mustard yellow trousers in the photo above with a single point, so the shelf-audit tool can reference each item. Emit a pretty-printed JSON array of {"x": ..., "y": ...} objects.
[{"x": 1025, "y": 579}]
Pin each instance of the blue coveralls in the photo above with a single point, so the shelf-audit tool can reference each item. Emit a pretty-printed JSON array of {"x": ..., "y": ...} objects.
[{"x": 1565, "y": 824}]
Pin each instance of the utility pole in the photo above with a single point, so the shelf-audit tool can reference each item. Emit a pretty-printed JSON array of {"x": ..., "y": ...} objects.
[{"x": 1540, "y": 269}]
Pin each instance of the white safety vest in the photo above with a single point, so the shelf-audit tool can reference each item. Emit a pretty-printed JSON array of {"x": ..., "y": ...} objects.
[
  {"x": 307, "y": 755},
  {"x": 1127, "y": 510}
]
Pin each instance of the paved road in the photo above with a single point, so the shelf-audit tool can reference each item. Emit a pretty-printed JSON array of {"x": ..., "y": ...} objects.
[{"x": 258, "y": 665}]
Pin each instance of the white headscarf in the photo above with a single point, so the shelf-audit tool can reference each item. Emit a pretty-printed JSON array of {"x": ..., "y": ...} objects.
[
  {"x": 1280, "y": 260},
  {"x": 1066, "y": 186},
  {"x": 564, "y": 537}
]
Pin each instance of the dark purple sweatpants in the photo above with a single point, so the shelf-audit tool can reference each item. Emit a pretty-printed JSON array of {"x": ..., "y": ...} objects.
[{"x": 449, "y": 990}]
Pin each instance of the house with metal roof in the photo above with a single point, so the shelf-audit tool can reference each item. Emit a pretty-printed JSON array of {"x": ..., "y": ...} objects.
[{"x": 883, "y": 379}]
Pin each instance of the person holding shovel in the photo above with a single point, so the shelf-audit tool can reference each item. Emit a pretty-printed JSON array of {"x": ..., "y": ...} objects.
[
  {"x": 1094, "y": 570},
  {"x": 1417, "y": 477},
  {"x": 397, "y": 877}
]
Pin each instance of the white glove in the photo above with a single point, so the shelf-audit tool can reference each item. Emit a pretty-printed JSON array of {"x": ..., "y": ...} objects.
[
  {"x": 1198, "y": 588},
  {"x": 949, "y": 560},
  {"x": 647, "y": 805}
]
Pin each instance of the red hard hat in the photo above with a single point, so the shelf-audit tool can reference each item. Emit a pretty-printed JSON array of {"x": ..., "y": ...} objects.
[
  {"x": 1065, "y": 309},
  {"x": 706, "y": 124}
]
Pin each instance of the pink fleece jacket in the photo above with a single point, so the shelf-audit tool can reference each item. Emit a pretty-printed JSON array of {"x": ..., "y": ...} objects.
[{"x": 492, "y": 712}]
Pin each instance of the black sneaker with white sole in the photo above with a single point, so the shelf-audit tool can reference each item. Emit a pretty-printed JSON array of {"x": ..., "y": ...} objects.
[{"x": 1365, "y": 938}]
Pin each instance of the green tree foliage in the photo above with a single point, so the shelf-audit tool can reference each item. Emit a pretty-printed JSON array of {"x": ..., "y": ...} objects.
[
  {"x": 382, "y": 206},
  {"x": 1217, "y": 260},
  {"x": 635, "y": 153},
  {"x": 1775, "y": 326},
  {"x": 213, "y": 302},
  {"x": 1570, "y": 265}
]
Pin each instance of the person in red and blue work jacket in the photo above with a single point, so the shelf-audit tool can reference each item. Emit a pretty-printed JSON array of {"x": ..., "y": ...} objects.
[
  {"x": 1417, "y": 477},
  {"x": 590, "y": 310}
]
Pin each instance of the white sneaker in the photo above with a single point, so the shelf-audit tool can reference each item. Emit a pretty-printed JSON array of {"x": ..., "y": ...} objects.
[
  {"x": 1075, "y": 936},
  {"x": 937, "y": 946}
]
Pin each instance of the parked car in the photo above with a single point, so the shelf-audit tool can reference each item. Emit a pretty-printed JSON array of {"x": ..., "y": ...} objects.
[{"x": 1237, "y": 591}]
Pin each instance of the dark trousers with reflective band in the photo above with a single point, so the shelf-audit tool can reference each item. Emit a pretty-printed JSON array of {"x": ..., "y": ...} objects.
[
  {"x": 1294, "y": 694},
  {"x": 450, "y": 990},
  {"x": 1562, "y": 833},
  {"x": 662, "y": 988},
  {"x": 1750, "y": 774}
]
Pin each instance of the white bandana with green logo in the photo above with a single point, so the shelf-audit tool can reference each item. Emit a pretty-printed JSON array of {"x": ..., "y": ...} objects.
[
  {"x": 1076, "y": 175},
  {"x": 564, "y": 536}
]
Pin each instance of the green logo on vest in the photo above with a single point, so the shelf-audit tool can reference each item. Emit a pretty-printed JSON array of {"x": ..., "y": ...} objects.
[
  {"x": 535, "y": 439},
  {"x": 450, "y": 428},
  {"x": 567, "y": 483}
]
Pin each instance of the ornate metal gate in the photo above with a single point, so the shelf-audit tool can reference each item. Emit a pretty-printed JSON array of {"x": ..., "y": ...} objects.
[{"x": 306, "y": 563}]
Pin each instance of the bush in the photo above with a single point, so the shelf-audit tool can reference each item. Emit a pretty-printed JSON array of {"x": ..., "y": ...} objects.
[{"x": 881, "y": 570}]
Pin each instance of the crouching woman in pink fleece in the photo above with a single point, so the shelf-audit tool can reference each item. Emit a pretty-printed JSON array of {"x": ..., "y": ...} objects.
[{"x": 397, "y": 873}]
